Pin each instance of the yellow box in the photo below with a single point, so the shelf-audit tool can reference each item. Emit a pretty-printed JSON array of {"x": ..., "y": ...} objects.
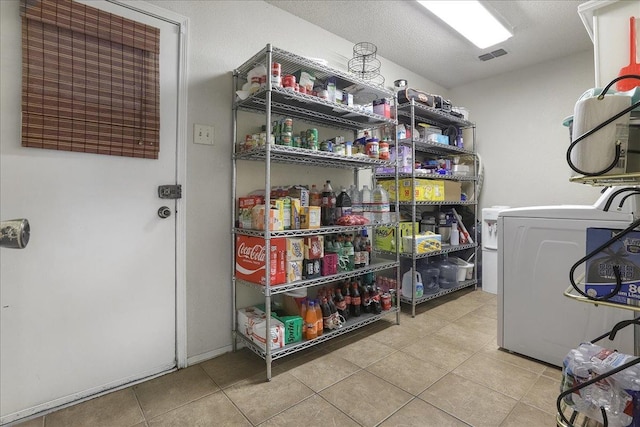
[
  {"x": 295, "y": 249},
  {"x": 426, "y": 190},
  {"x": 296, "y": 212},
  {"x": 294, "y": 271},
  {"x": 310, "y": 217},
  {"x": 425, "y": 243},
  {"x": 385, "y": 238}
]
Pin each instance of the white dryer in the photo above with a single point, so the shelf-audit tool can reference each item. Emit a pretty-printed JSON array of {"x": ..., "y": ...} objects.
[{"x": 538, "y": 246}]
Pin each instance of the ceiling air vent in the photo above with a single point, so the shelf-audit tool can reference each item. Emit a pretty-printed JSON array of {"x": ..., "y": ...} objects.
[{"x": 491, "y": 55}]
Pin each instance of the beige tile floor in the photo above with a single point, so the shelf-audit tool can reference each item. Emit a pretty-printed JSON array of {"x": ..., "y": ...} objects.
[{"x": 441, "y": 368}]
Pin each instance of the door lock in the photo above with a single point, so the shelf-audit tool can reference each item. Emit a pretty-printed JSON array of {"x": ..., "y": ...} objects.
[{"x": 164, "y": 212}]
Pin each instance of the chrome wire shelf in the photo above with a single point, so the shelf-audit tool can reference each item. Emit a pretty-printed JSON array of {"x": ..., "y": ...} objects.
[
  {"x": 351, "y": 324},
  {"x": 422, "y": 145},
  {"x": 444, "y": 250},
  {"x": 312, "y": 231},
  {"x": 304, "y": 156},
  {"x": 291, "y": 62},
  {"x": 462, "y": 285},
  {"x": 427, "y": 176},
  {"x": 313, "y": 109},
  {"x": 439, "y": 203},
  {"x": 286, "y": 287},
  {"x": 431, "y": 115}
]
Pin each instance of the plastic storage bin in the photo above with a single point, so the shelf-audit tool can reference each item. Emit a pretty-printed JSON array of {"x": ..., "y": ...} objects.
[
  {"x": 448, "y": 271},
  {"x": 430, "y": 279},
  {"x": 465, "y": 269}
]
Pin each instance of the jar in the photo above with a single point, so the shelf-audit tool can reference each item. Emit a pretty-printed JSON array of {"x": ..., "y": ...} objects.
[
  {"x": 348, "y": 148},
  {"x": 289, "y": 82},
  {"x": 372, "y": 148},
  {"x": 339, "y": 149},
  {"x": 383, "y": 151}
]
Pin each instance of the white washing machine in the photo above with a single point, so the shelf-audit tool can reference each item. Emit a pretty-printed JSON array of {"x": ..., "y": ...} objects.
[
  {"x": 538, "y": 246},
  {"x": 490, "y": 248}
]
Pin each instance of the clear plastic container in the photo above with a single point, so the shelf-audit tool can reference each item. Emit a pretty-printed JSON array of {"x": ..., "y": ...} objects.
[
  {"x": 448, "y": 272},
  {"x": 430, "y": 279}
]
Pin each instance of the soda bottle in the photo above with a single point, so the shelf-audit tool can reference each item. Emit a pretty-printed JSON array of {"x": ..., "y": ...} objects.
[
  {"x": 349, "y": 252},
  {"x": 326, "y": 314},
  {"x": 340, "y": 303},
  {"x": 356, "y": 301},
  {"x": 303, "y": 314},
  {"x": 366, "y": 253},
  {"x": 347, "y": 300},
  {"x": 328, "y": 207},
  {"x": 319, "y": 323},
  {"x": 315, "y": 197},
  {"x": 343, "y": 204},
  {"x": 311, "y": 321},
  {"x": 357, "y": 248},
  {"x": 331, "y": 298}
]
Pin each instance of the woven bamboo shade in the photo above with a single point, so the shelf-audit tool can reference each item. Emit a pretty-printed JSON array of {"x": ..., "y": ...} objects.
[{"x": 90, "y": 80}]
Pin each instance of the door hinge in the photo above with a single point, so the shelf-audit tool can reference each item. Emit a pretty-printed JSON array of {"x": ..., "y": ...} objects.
[{"x": 170, "y": 191}]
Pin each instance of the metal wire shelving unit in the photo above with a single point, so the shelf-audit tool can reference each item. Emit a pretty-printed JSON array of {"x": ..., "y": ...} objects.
[
  {"x": 412, "y": 113},
  {"x": 274, "y": 100}
]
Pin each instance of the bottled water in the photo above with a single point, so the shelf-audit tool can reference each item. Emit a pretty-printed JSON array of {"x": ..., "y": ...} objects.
[
  {"x": 587, "y": 362},
  {"x": 380, "y": 205},
  {"x": 366, "y": 201},
  {"x": 356, "y": 201}
]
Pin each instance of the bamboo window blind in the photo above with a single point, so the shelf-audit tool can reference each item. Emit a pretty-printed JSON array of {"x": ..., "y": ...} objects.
[{"x": 90, "y": 80}]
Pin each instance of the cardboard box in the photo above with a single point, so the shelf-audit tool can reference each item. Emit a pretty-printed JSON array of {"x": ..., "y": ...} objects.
[
  {"x": 426, "y": 190},
  {"x": 295, "y": 249},
  {"x": 292, "y": 328},
  {"x": 329, "y": 264},
  {"x": 314, "y": 247},
  {"x": 296, "y": 214},
  {"x": 385, "y": 238},
  {"x": 300, "y": 192},
  {"x": 245, "y": 206},
  {"x": 425, "y": 243},
  {"x": 624, "y": 253},
  {"x": 250, "y": 259},
  {"x": 252, "y": 324},
  {"x": 294, "y": 271},
  {"x": 310, "y": 217},
  {"x": 276, "y": 218}
]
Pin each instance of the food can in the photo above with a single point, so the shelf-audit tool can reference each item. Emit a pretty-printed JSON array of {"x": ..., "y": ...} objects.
[
  {"x": 276, "y": 69},
  {"x": 383, "y": 151},
  {"x": 372, "y": 148},
  {"x": 286, "y": 139},
  {"x": 385, "y": 299},
  {"x": 289, "y": 82},
  {"x": 339, "y": 149},
  {"x": 312, "y": 139},
  {"x": 287, "y": 125}
]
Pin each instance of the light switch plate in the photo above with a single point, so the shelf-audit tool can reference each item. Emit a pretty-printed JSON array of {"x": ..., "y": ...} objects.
[{"x": 202, "y": 134}]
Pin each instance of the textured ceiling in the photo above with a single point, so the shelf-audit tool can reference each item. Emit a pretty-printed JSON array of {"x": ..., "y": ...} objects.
[{"x": 407, "y": 34}]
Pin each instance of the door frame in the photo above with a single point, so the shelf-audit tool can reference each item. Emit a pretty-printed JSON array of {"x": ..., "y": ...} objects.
[{"x": 182, "y": 22}]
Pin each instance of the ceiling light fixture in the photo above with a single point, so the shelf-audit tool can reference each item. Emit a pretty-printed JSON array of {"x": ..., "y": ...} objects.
[{"x": 471, "y": 19}]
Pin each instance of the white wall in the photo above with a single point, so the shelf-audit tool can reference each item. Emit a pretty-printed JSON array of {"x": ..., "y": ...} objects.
[
  {"x": 520, "y": 134},
  {"x": 223, "y": 35}
]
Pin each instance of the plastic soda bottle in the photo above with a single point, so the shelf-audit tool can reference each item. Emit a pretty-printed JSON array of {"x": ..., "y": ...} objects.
[
  {"x": 315, "y": 197},
  {"x": 319, "y": 324},
  {"x": 328, "y": 208},
  {"x": 311, "y": 322}
]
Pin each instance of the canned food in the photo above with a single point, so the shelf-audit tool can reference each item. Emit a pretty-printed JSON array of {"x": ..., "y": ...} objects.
[
  {"x": 289, "y": 82},
  {"x": 339, "y": 149},
  {"x": 286, "y": 138},
  {"x": 383, "y": 151},
  {"x": 372, "y": 148},
  {"x": 276, "y": 69},
  {"x": 287, "y": 125},
  {"x": 385, "y": 299},
  {"x": 312, "y": 139}
]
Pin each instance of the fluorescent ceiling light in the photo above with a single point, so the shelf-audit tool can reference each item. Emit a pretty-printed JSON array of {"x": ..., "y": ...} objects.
[{"x": 471, "y": 19}]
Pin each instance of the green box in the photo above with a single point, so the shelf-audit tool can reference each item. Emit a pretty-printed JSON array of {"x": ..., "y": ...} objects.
[
  {"x": 385, "y": 239},
  {"x": 292, "y": 328}
]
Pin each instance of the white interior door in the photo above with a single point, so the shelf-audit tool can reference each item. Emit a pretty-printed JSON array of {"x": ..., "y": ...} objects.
[{"x": 90, "y": 303}]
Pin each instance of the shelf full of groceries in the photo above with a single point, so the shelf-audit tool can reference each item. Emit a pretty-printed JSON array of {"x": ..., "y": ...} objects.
[
  {"x": 300, "y": 319},
  {"x": 315, "y": 236}
]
